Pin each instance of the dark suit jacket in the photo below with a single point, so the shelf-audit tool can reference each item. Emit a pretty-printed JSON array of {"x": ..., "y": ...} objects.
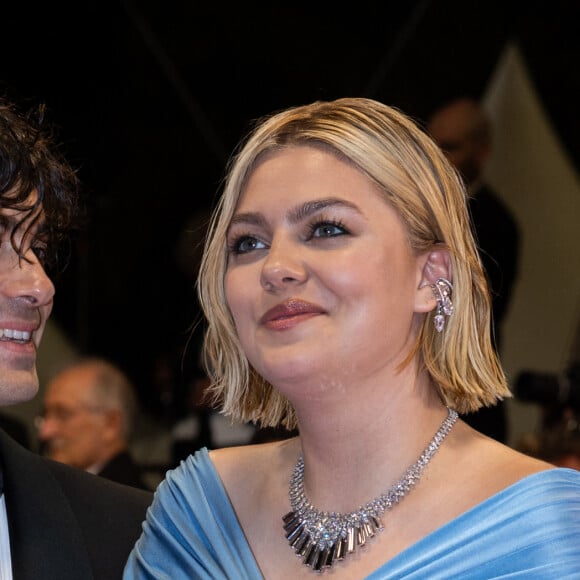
[
  {"x": 16, "y": 429},
  {"x": 123, "y": 469},
  {"x": 64, "y": 523}
]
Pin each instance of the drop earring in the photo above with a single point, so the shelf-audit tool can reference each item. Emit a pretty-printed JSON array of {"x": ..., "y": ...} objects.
[{"x": 442, "y": 292}]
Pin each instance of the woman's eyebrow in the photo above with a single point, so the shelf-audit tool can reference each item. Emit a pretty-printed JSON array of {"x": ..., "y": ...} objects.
[
  {"x": 309, "y": 208},
  {"x": 250, "y": 217},
  {"x": 295, "y": 214}
]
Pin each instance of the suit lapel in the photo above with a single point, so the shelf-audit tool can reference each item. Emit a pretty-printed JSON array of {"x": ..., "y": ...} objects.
[{"x": 45, "y": 539}]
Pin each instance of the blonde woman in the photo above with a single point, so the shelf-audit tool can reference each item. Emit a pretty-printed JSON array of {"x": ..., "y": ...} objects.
[{"x": 345, "y": 297}]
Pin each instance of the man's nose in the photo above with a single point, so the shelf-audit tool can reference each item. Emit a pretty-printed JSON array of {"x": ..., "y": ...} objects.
[
  {"x": 24, "y": 278},
  {"x": 46, "y": 427}
]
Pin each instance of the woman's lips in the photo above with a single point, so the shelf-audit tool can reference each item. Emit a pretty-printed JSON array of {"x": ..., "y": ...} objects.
[{"x": 289, "y": 313}]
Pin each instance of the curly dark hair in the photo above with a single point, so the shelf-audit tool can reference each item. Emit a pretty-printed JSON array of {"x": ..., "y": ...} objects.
[{"x": 30, "y": 161}]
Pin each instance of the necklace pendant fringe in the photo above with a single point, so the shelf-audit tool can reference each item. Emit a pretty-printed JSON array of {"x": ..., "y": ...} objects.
[{"x": 318, "y": 553}]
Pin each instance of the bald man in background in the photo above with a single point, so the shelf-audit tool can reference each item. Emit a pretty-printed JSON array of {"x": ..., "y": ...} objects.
[
  {"x": 463, "y": 131},
  {"x": 87, "y": 421}
]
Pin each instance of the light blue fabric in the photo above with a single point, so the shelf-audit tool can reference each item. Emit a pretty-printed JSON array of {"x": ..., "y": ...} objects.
[
  {"x": 531, "y": 531},
  {"x": 191, "y": 530}
]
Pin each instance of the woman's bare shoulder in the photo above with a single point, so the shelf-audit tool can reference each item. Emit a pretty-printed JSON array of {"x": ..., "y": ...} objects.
[
  {"x": 499, "y": 465},
  {"x": 255, "y": 478},
  {"x": 481, "y": 468},
  {"x": 254, "y": 461}
]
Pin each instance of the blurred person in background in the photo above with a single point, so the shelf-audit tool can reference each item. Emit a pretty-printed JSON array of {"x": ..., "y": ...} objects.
[{"x": 89, "y": 410}]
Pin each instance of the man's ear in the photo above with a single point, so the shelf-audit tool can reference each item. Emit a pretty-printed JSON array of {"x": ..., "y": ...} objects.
[
  {"x": 436, "y": 264},
  {"x": 113, "y": 423}
]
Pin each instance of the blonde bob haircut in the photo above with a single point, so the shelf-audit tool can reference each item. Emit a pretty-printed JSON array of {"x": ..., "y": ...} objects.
[{"x": 420, "y": 184}]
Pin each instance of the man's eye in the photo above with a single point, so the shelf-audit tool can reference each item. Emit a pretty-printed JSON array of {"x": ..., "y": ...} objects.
[
  {"x": 327, "y": 230},
  {"x": 246, "y": 244},
  {"x": 41, "y": 252}
]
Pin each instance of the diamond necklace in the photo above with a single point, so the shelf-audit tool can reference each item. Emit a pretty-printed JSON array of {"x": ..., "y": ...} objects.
[{"x": 323, "y": 538}]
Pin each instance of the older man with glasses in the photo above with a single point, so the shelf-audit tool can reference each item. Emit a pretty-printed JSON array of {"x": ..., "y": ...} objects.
[{"x": 87, "y": 420}]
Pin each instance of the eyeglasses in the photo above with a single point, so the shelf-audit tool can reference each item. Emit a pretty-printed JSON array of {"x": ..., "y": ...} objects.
[{"x": 63, "y": 414}]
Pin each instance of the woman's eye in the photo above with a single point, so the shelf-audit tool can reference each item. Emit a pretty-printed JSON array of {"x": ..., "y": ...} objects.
[
  {"x": 246, "y": 244},
  {"x": 327, "y": 230}
]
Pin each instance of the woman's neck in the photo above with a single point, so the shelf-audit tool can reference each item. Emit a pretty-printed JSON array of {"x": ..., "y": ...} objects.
[{"x": 360, "y": 443}]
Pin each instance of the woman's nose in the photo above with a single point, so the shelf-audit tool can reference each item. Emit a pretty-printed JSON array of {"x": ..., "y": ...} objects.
[{"x": 283, "y": 265}]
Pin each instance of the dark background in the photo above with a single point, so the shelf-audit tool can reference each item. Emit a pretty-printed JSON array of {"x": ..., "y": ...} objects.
[{"x": 152, "y": 96}]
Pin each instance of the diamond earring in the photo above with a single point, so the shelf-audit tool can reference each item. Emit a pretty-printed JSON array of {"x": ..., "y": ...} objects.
[{"x": 442, "y": 292}]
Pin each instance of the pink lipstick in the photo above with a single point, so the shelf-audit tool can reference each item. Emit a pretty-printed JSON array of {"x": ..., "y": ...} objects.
[{"x": 289, "y": 313}]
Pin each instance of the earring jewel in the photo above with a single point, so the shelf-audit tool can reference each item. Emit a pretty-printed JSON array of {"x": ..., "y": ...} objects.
[{"x": 442, "y": 291}]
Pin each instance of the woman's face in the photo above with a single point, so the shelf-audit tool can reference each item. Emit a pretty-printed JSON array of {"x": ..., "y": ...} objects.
[{"x": 321, "y": 280}]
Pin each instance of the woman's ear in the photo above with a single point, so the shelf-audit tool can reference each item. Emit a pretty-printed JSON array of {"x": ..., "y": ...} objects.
[{"x": 436, "y": 264}]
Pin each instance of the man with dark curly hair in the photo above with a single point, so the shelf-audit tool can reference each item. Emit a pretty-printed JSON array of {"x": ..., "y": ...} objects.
[{"x": 55, "y": 521}]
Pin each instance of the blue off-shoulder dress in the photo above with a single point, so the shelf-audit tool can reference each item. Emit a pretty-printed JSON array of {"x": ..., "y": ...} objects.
[{"x": 530, "y": 530}]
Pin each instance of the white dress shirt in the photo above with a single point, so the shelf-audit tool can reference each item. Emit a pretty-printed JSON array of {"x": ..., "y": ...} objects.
[{"x": 5, "y": 561}]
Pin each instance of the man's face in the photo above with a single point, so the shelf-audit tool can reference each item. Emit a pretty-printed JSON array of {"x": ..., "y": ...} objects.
[
  {"x": 26, "y": 295},
  {"x": 452, "y": 129},
  {"x": 73, "y": 427},
  {"x": 464, "y": 153}
]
